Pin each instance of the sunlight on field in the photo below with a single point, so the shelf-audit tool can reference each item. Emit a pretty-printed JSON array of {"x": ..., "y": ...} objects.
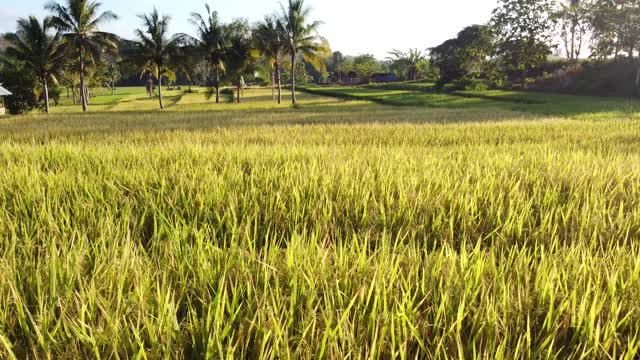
[{"x": 270, "y": 230}]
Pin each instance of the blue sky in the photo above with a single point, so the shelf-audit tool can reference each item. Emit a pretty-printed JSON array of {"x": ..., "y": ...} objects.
[{"x": 351, "y": 26}]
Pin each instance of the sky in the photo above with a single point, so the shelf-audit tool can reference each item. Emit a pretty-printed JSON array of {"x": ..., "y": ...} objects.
[{"x": 353, "y": 27}]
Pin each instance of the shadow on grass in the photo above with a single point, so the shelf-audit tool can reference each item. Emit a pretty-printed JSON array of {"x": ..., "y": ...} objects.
[{"x": 549, "y": 104}]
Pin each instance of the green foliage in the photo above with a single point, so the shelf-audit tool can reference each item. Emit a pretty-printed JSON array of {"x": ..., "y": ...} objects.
[
  {"x": 80, "y": 21},
  {"x": 240, "y": 54},
  {"x": 302, "y": 39},
  {"x": 573, "y": 19},
  {"x": 365, "y": 66},
  {"x": 523, "y": 30},
  {"x": 616, "y": 27},
  {"x": 41, "y": 53},
  {"x": 212, "y": 41},
  {"x": 473, "y": 84},
  {"x": 302, "y": 77},
  {"x": 21, "y": 82},
  {"x": 156, "y": 52},
  {"x": 464, "y": 57},
  {"x": 409, "y": 65}
]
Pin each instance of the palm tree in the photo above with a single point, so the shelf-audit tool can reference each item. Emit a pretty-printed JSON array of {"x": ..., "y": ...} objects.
[
  {"x": 302, "y": 38},
  {"x": 410, "y": 60},
  {"x": 212, "y": 39},
  {"x": 40, "y": 51},
  {"x": 270, "y": 42},
  {"x": 240, "y": 53},
  {"x": 155, "y": 50},
  {"x": 80, "y": 21}
]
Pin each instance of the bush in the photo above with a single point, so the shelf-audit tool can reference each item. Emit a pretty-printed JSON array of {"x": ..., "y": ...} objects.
[
  {"x": 228, "y": 94},
  {"x": 476, "y": 85},
  {"x": 471, "y": 84},
  {"x": 21, "y": 84}
]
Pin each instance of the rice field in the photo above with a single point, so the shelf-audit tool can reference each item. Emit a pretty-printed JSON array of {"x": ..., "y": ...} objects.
[{"x": 336, "y": 229}]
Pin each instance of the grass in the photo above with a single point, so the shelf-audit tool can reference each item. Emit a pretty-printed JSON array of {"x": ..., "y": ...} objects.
[
  {"x": 339, "y": 229},
  {"x": 546, "y": 104}
]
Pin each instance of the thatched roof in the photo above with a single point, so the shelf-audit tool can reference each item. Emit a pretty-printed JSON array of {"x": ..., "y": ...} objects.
[{"x": 4, "y": 92}]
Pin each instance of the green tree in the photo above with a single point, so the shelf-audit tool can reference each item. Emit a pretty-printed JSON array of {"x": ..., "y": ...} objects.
[
  {"x": 39, "y": 50},
  {"x": 615, "y": 27},
  {"x": 464, "y": 57},
  {"x": 270, "y": 41},
  {"x": 240, "y": 54},
  {"x": 524, "y": 34},
  {"x": 409, "y": 61},
  {"x": 16, "y": 77},
  {"x": 213, "y": 40},
  {"x": 155, "y": 49},
  {"x": 80, "y": 21},
  {"x": 302, "y": 38},
  {"x": 113, "y": 74},
  {"x": 572, "y": 18},
  {"x": 365, "y": 66},
  {"x": 344, "y": 68},
  {"x": 337, "y": 59}
]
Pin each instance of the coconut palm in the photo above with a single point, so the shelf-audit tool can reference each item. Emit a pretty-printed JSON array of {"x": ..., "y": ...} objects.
[
  {"x": 41, "y": 51},
  {"x": 155, "y": 50},
  {"x": 240, "y": 54},
  {"x": 270, "y": 41},
  {"x": 302, "y": 38},
  {"x": 213, "y": 40},
  {"x": 80, "y": 21}
]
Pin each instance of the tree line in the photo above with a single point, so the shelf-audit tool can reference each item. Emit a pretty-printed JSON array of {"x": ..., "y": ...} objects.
[
  {"x": 68, "y": 47},
  {"x": 522, "y": 35}
]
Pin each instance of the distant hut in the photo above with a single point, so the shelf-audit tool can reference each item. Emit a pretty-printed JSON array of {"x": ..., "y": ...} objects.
[{"x": 3, "y": 92}]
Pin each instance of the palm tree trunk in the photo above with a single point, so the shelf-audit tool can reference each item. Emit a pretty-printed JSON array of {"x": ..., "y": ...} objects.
[
  {"x": 83, "y": 97},
  {"x": 293, "y": 77},
  {"x": 46, "y": 95},
  {"x": 217, "y": 84},
  {"x": 273, "y": 84},
  {"x": 160, "y": 90},
  {"x": 239, "y": 86},
  {"x": 279, "y": 82},
  {"x": 638, "y": 76}
]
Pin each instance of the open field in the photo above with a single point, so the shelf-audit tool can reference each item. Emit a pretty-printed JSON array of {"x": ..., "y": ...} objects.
[
  {"x": 449, "y": 227},
  {"x": 423, "y": 94}
]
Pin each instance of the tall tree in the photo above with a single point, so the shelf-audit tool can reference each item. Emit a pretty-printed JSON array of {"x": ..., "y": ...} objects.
[
  {"x": 464, "y": 57},
  {"x": 41, "y": 51},
  {"x": 240, "y": 54},
  {"x": 270, "y": 42},
  {"x": 615, "y": 26},
  {"x": 572, "y": 18},
  {"x": 113, "y": 74},
  {"x": 524, "y": 35},
  {"x": 337, "y": 61},
  {"x": 213, "y": 40},
  {"x": 155, "y": 49},
  {"x": 302, "y": 38},
  {"x": 80, "y": 21}
]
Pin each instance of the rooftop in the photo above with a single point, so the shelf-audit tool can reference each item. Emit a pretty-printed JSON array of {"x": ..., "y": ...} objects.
[{"x": 4, "y": 92}]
